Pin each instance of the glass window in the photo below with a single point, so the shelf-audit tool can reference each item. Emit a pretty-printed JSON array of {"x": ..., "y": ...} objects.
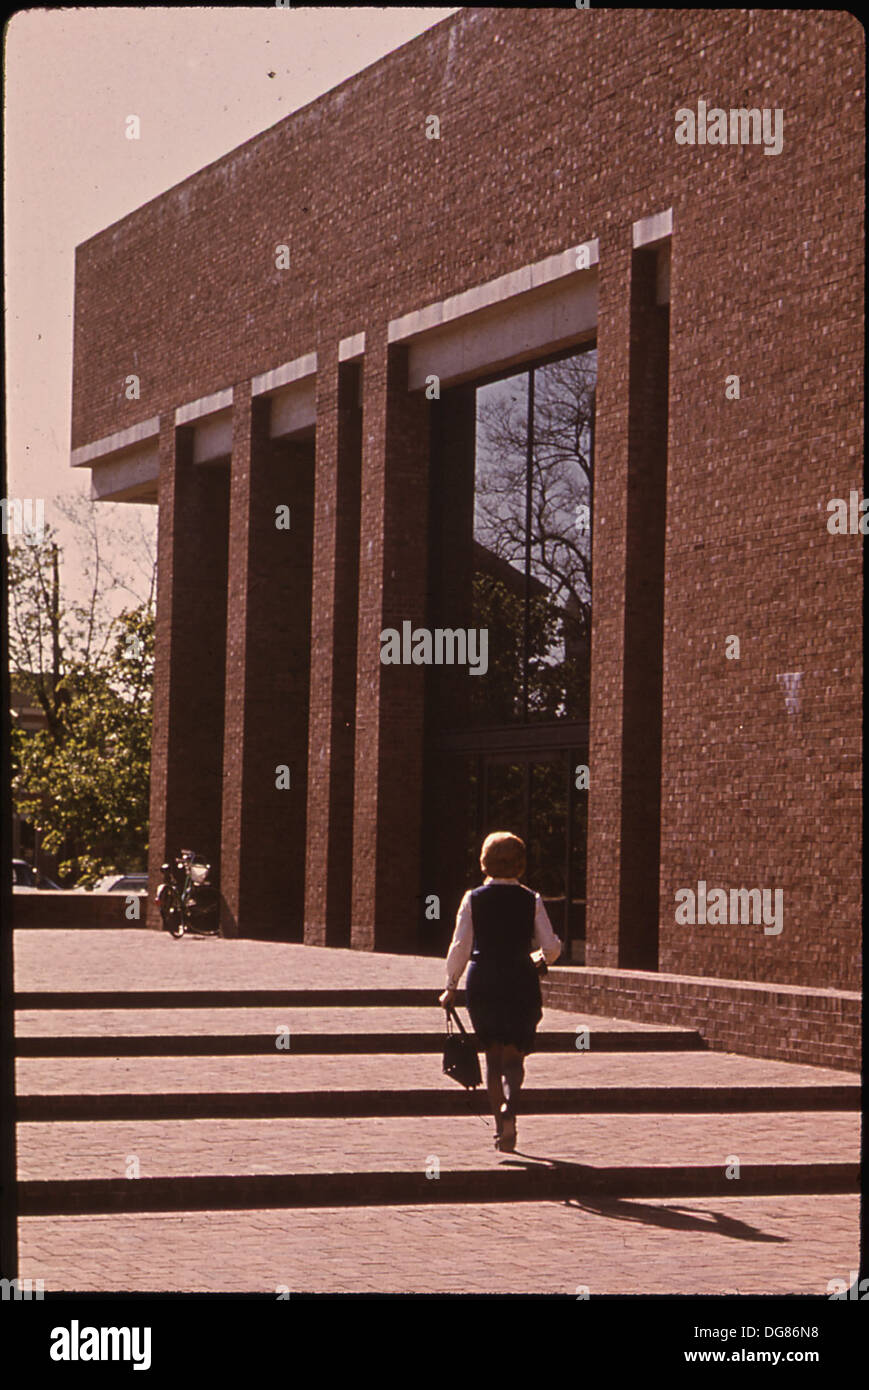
[
  {"x": 532, "y": 541},
  {"x": 510, "y": 550}
]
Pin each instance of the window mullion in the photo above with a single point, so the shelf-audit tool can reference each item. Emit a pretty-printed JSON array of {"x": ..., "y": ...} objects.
[{"x": 529, "y": 455}]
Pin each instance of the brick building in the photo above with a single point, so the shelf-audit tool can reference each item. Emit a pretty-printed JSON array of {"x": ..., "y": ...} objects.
[{"x": 381, "y": 369}]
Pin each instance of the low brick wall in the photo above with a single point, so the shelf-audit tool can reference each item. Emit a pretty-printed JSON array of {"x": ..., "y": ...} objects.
[
  {"x": 820, "y": 1027},
  {"x": 72, "y": 909}
]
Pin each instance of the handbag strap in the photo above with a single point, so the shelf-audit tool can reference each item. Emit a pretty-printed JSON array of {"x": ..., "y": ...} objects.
[{"x": 451, "y": 1014}]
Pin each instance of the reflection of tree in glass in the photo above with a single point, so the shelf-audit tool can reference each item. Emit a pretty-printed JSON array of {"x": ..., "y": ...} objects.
[
  {"x": 499, "y": 606},
  {"x": 548, "y": 828},
  {"x": 561, "y": 491},
  {"x": 505, "y": 798}
]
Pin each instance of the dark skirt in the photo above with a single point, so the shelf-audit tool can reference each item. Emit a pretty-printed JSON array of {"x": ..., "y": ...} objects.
[{"x": 504, "y": 1003}]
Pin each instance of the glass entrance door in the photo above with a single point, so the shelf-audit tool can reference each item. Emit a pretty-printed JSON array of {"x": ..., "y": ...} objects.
[
  {"x": 529, "y": 791},
  {"x": 535, "y": 796}
]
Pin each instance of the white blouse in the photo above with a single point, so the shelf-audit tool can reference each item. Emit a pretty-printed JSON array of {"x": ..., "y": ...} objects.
[{"x": 462, "y": 943}]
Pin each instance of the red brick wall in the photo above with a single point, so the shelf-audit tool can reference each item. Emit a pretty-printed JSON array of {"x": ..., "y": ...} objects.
[
  {"x": 189, "y": 666},
  {"x": 557, "y": 126},
  {"x": 51, "y": 910},
  {"x": 329, "y": 861},
  {"x": 814, "y": 1026},
  {"x": 387, "y": 807},
  {"x": 609, "y": 567},
  {"x": 267, "y": 679},
  {"x": 766, "y": 268}
]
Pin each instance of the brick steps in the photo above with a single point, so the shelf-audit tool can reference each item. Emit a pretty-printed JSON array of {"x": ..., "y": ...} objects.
[
  {"x": 236, "y": 1147},
  {"x": 307, "y": 1168},
  {"x": 553, "y": 1101},
  {"x": 318, "y": 1044},
  {"x": 539, "y": 1183},
  {"x": 341, "y": 1019},
  {"x": 285, "y": 1070},
  {"x": 73, "y": 1076},
  {"x": 227, "y": 998}
]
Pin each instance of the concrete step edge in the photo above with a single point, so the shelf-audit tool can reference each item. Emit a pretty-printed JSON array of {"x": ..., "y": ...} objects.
[
  {"x": 91, "y": 1196},
  {"x": 540, "y": 1101},
  {"x": 409, "y": 997},
  {"x": 317, "y": 1044}
]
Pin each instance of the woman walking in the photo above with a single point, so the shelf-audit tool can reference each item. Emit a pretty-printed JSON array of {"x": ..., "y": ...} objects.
[{"x": 497, "y": 927}]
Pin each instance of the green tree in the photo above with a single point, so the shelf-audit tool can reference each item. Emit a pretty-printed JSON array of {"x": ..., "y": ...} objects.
[{"x": 83, "y": 780}]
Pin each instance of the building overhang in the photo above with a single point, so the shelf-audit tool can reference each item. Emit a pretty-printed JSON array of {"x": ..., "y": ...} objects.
[
  {"x": 539, "y": 308},
  {"x": 292, "y": 390},
  {"x": 124, "y": 466}
]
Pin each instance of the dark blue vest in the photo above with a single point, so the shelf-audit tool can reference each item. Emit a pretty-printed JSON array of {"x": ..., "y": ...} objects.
[{"x": 503, "y": 916}]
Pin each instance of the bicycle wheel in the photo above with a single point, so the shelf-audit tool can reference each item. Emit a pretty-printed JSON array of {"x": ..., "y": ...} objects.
[{"x": 172, "y": 914}]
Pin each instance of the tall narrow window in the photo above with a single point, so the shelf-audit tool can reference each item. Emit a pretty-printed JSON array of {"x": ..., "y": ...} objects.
[
  {"x": 532, "y": 541},
  {"x": 511, "y": 535}
]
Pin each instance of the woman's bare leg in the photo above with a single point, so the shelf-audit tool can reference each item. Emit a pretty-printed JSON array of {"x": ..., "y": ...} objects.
[
  {"x": 513, "y": 1070},
  {"x": 494, "y": 1069}
]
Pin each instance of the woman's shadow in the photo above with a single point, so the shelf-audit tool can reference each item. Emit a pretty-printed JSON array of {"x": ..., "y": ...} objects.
[{"x": 675, "y": 1218}]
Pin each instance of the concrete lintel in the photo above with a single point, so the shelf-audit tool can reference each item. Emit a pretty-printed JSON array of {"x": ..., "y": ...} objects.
[
  {"x": 114, "y": 443},
  {"x": 493, "y": 292},
  {"x": 212, "y": 438},
  {"x": 351, "y": 348},
  {"x": 293, "y": 410},
  {"x": 651, "y": 229},
  {"x": 285, "y": 375},
  {"x": 507, "y": 334},
  {"x": 132, "y": 477},
  {"x": 206, "y": 405}
]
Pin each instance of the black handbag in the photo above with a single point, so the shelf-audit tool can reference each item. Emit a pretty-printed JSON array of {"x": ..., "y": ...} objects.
[{"x": 460, "y": 1054}]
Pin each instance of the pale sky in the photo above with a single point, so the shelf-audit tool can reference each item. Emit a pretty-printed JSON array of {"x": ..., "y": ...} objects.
[{"x": 198, "y": 78}]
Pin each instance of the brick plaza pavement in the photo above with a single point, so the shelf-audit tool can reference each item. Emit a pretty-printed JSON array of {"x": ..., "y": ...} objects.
[
  {"x": 744, "y": 1245},
  {"x": 90, "y": 1229}
]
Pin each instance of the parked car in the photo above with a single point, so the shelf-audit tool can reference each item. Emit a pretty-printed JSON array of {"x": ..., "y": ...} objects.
[
  {"x": 26, "y": 878},
  {"x": 122, "y": 883}
]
